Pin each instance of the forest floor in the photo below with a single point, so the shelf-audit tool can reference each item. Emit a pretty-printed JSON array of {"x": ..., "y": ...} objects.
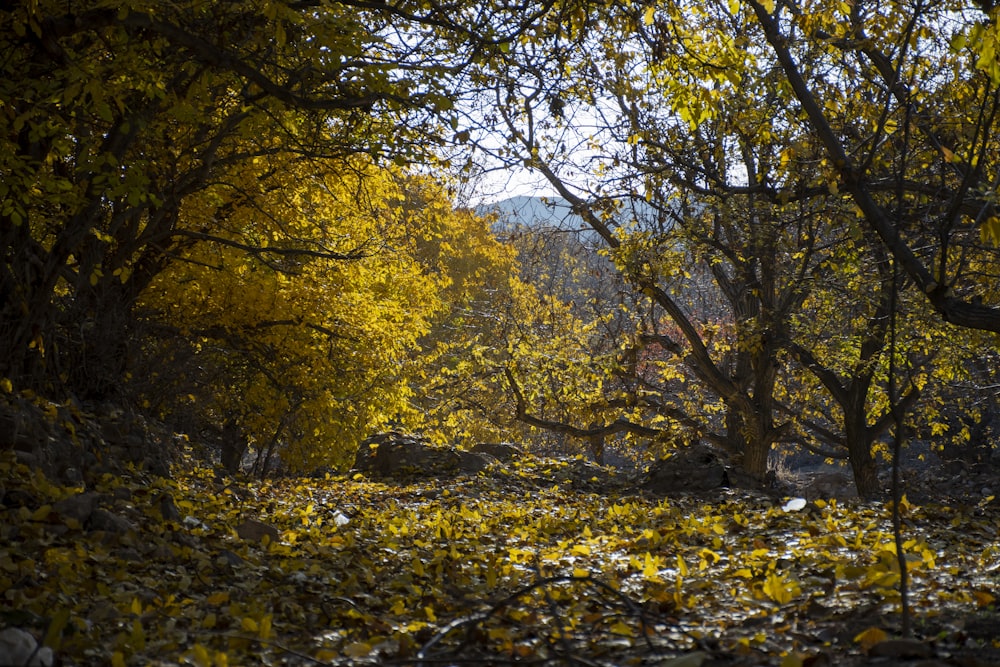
[{"x": 540, "y": 562}]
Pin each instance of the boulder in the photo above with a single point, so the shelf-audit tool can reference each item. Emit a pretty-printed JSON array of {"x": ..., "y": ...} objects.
[
  {"x": 393, "y": 453},
  {"x": 829, "y": 483},
  {"x": 17, "y": 647},
  {"x": 694, "y": 468},
  {"x": 102, "y": 519},
  {"x": 78, "y": 507},
  {"x": 255, "y": 531},
  {"x": 501, "y": 451}
]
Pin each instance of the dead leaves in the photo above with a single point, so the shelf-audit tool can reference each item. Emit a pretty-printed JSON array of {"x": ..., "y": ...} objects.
[{"x": 344, "y": 570}]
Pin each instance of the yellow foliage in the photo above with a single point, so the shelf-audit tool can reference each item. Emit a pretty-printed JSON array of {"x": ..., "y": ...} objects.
[{"x": 305, "y": 351}]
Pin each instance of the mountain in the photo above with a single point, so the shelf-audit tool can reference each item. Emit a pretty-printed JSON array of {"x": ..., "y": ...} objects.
[
  {"x": 552, "y": 212},
  {"x": 533, "y": 212}
]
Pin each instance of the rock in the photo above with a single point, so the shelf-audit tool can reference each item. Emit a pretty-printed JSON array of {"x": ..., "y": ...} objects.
[
  {"x": 694, "y": 468},
  {"x": 256, "y": 531},
  {"x": 18, "y": 647},
  {"x": 162, "y": 553},
  {"x": 129, "y": 554},
  {"x": 102, "y": 519},
  {"x": 168, "y": 509},
  {"x": 231, "y": 558},
  {"x": 501, "y": 451},
  {"x": 829, "y": 483},
  {"x": 71, "y": 475},
  {"x": 78, "y": 507},
  {"x": 473, "y": 462},
  {"x": 27, "y": 458},
  {"x": 394, "y": 453},
  {"x": 900, "y": 648},
  {"x": 183, "y": 539}
]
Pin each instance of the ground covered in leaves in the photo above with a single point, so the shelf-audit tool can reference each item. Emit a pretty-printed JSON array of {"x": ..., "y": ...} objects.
[{"x": 531, "y": 563}]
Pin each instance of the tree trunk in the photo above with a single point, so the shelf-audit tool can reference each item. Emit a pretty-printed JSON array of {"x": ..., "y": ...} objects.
[
  {"x": 859, "y": 451},
  {"x": 866, "y": 477},
  {"x": 746, "y": 440},
  {"x": 233, "y": 447},
  {"x": 596, "y": 445},
  {"x": 755, "y": 458}
]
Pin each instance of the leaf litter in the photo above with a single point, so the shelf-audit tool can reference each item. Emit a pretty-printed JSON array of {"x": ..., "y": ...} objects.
[{"x": 523, "y": 564}]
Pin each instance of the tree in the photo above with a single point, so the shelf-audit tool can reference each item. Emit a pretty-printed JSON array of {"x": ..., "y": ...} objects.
[
  {"x": 113, "y": 118},
  {"x": 922, "y": 174},
  {"x": 302, "y": 354},
  {"x": 682, "y": 105},
  {"x": 505, "y": 337}
]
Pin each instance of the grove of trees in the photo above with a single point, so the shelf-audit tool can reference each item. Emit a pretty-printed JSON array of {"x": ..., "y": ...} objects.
[
  {"x": 829, "y": 172},
  {"x": 245, "y": 236},
  {"x": 240, "y": 217}
]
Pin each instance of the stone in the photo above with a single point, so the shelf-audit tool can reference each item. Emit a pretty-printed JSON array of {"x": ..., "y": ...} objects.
[
  {"x": 393, "y": 454},
  {"x": 102, "y": 519},
  {"x": 231, "y": 558},
  {"x": 168, "y": 509},
  {"x": 18, "y": 647},
  {"x": 501, "y": 451},
  {"x": 829, "y": 483},
  {"x": 473, "y": 462},
  {"x": 691, "y": 469},
  {"x": 900, "y": 648},
  {"x": 79, "y": 506},
  {"x": 255, "y": 531}
]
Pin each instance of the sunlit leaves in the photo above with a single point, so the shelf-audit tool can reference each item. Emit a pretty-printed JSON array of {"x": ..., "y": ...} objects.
[
  {"x": 312, "y": 351},
  {"x": 413, "y": 559}
]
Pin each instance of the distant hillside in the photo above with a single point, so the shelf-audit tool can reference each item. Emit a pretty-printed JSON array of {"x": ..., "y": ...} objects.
[
  {"x": 540, "y": 212},
  {"x": 533, "y": 212}
]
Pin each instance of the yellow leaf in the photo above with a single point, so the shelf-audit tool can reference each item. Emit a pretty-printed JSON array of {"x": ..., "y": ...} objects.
[
  {"x": 117, "y": 659},
  {"x": 990, "y": 231},
  {"x": 779, "y": 589},
  {"x": 870, "y": 637},
  {"x": 792, "y": 660},
  {"x": 249, "y": 625},
  {"x": 221, "y": 597},
  {"x": 647, "y": 16},
  {"x": 581, "y": 550},
  {"x": 138, "y": 637},
  {"x": 357, "y": 650},
  {"x": 53, "y": 635},
  {"x": 6, "y": 385},
  {"x": 621, "y": 629},
  {"x": 200, "y": 656},
  {"x": 983, "y": 598}
]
